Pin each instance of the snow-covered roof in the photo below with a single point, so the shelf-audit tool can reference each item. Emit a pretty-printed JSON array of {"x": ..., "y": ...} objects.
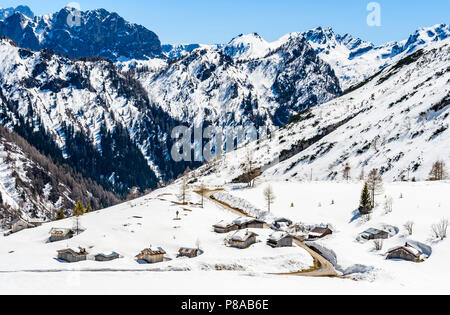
[
  {"x": 155, "y": 251},
  {"x": 112, "y": 255},
  {"x": 319, "y": 231},
  {"x": 278, "y": 236},
  {"x": 60, "y": 231},
  {"x": 242, "y": 235},
  {"x": 243, "y": 220},
  {"x": 224, "y": 224},
  {"x": 187, "y": 251},
  {"x": 373, "y": 231},
  {"x": 409, "y": 248}
]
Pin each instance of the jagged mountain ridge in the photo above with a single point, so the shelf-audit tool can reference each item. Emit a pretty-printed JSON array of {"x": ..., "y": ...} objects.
[
  {"x": 352, "y": 59},
  {"x": 396, "y": 122},
  {"x": 7, "y": 12},
  {"x": 82, "y": 34},
  {"x": 355, "y": 60},
  {"x": 209, "y": 85},
  {"x": 85, "y": 107}
]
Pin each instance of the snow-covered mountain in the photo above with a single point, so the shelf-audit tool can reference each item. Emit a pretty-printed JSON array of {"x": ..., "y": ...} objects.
[
  {"x": 82, "y": 34},
  {"x": 7, "y": 12},
  {"x": 397, "y": 121},
  {"x": 354, "y": 60},
  {"x": 33, "y": 187},
  {"x": 179, "y": 51},
  {"x": 92, "y": 116},
  {"x": 223, "y": 87}
]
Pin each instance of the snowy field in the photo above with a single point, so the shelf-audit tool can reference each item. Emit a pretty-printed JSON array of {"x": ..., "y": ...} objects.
[
  {"x": 28, "y": 263},
  {"x": 335, "y": 204}
]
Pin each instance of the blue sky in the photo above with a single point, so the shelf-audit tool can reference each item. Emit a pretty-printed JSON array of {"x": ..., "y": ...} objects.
[{"x": 218, "y": 21}]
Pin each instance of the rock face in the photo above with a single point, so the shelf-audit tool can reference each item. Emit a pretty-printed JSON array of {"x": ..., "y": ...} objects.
[
  {"x": 243, "y": 82},
  {"x": 397, "y": 121},
  {"x": 82, "y": 34},
  {"x": 89, "y": 114},
  {"x": 355, "y": 60}
]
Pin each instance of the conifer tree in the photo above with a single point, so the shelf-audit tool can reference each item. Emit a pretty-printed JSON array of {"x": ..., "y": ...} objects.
[
  {"x": 365, "y": 206},
  {"x": 79, "y": 209},
  {"x": 88, "y": 209},
  {"x": 60, "y": 215}
]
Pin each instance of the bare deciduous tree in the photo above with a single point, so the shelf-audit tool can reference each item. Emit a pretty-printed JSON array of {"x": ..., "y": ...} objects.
[
  {"x": 438, "y": 172},
  {"x": 182, "y": 196},
  {"x": 375, "y": 184},
  {"x": 440, "y": 229},
  {"x": 346, "y": 171},
  {"x": 378, "y": 244},
  {"x": 202, "y": 190},
  {"x": 249, "y": 167},
  {"x": 269, "y": 196},
  {"x": 389, "y": 205},
  {"x": 409, "y": 227}
]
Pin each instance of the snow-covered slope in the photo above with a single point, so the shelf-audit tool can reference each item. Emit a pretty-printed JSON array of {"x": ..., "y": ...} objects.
[
  {"x": 396, "y": 122},
  {"x": 91, "y": 98},
  {"x": 33, "y": 187},
  {"x": 209, "y": 85},
  {"x": 150, "y": 222}
]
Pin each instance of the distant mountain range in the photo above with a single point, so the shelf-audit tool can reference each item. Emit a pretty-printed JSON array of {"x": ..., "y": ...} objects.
[
  {"x": 25, "y": 10},
  {"x": 91, "y": 33}
]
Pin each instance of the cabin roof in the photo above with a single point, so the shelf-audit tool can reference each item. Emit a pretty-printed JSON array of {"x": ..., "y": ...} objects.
[
  {"x": 187, "y": 251},
  {"x": 242, "y": 235},
  {"x": 57, "y": 231},
  {"x": 18, "y": 220},
  {"x": 224, "y": 224},
  {"x": 154, "y": 251},
  {"x": 278, "y": 236},
  {"x": 71, "y": 251},
  {"x": 413, "y": 250},
  {"x": 112, "y": 255},
  {"x": 320, "y": 231},
  {"x": 283, "y": 220},
  {"x": 373, "y": 231}
]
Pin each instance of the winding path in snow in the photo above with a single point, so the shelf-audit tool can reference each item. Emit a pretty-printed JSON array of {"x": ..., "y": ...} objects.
[{"x": 322, "y": 267}]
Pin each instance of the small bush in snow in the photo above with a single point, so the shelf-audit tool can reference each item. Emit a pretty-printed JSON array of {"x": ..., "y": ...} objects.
[
  {"x": 389, "y": 205},
  {"x": 409, "y": 226},
  {"x": 378, "y": 244},
  {"x": 440, "y": 229}
]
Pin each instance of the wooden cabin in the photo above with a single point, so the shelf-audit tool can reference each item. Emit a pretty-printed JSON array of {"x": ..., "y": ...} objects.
[
  {"x": 374, "y": 234},
  {"x": 249, "y": 223},
  {"x": 152, "y": 255},
  {"x": 188, "y": 252},
  {"x": 225, "y": 227},
  {"x": 282, "y": 223},
  {"x": 57, "y": 235},
  {"x": 319, "y": 233},
  {"x": 243, "y": 239},
  {"x": 407, "y": 252},
  {"x": 110, "y": 257},
  {"x": 18, "y": 225},
  {"x": 72, "y": 256},
  {"x": 280, "y": 239}
]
